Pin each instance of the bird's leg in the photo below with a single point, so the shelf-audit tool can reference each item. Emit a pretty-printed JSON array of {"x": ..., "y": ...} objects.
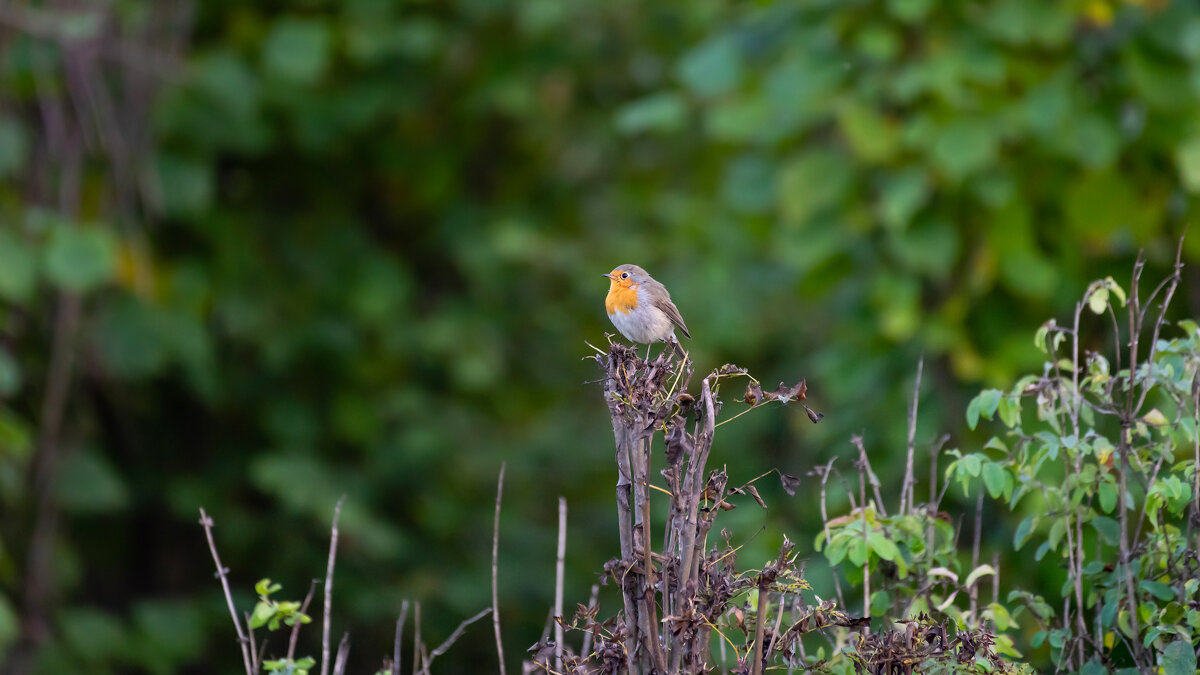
[{"x": 648, "y": 351}]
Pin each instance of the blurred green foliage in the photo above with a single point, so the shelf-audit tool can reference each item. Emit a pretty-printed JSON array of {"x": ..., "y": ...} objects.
[{"x": 366, "y": 257}]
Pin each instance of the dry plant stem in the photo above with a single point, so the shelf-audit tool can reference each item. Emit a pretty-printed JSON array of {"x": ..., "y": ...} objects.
[
  {"x": 396, "y": 645},
  {"x": 995, "y": 583},
  {"x": 587, "y": 634},
  {"x": 255, "y": 654},
  {"x": 495, "y": 573},
  {"x": 207, "y": 523},
  {"x": 862, "y": 492},
  {"x": 837, "y": 585},
  {"x": 623, "y": 434},
  {"x": 559, "y": 569},
  {"x": 445, "y": 646},
  {"x": 760, "y": 621},
  {"x": 1075, "y": 553},
  {"x": 333, "y": 539},
  {"x": 1196, "y": 461},
  {"x": 694, "y": 488},
  {"x": 38, "y": 590},
  {"x": 416, "y": 638},
  {"x": 866, "y": 467},
  {"x": 778, "y": 621},
  {"x": 343, "y": 653},
  {"x": 1123, "y": 473},
  {"x": 651, "y": 637},
  {"x": 906, "y": 489},
  {"x": 974, "y": 590},
  {"x": 291, "y": 652}
]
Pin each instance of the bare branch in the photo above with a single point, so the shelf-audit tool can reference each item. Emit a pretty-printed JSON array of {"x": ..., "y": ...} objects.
[
  {"x": 495, "y": 571},
  {"x": 559, "y": 572},
  {"x": 333, "y": 539},
  {"x": 442, "y": 648},
  {"x": 221, "y": 574},
  {"x": 906, "y": 489},
  {"x": 399, "y": 636},
  {"x": 291, "y": 652}
]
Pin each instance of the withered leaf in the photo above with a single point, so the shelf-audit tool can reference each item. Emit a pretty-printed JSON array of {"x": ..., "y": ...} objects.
[
  {"x": 754, "y": 394},
  {"x": 790, "y": 483},
  {"x": 784, "y": 393},
  {"x": 753, "y": 492}
]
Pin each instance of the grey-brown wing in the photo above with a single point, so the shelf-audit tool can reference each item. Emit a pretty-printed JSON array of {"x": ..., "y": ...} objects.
[{"x": 671, "y": 311}]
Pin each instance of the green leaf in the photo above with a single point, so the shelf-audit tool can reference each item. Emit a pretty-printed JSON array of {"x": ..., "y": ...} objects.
[
  {"x": 857, "y": 552},
  {"x": 1010, "y": 411},
  {"x": 1187, "y": 159},
  {"x": 662, "y": 112},
  {"x": 89, "y": 483},
  {"x": 1108, "y": 528},
  {"x": 1098, "y": 300},
  {"x": 904, "y": 193},
  {"x": 712, "y": 68},
  {"x": 965, "y": 146},
  {"x": 263, "y": 612},
  {"x": 1108, "y": 496},
  {"x": 994, "y": 477},
  {"x": 81, "y": 258},
  {"x": 1157, "y": 589},
  {"x": 982, "y": 570},
  {"x": 910, "y": 11},
  {"x": 872, "y": 137},
  {"x": 883, "y": 546},
  {"x": 983, "y": 405},
  {"x": 297, "y": 50},
  {"x": 1179, "y": 658},
  {"x": 1023, "y": 530}
]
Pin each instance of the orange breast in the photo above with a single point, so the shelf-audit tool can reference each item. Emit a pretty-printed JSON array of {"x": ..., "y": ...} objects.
[{"x": 621, "y": 299}]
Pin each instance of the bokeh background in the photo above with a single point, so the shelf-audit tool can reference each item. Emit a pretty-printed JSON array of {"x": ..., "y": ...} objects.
[{"x": 257, "y": 256}]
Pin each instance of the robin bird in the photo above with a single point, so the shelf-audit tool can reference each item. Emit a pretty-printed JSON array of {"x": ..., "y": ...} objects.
[{"x": 641, "y": 308}]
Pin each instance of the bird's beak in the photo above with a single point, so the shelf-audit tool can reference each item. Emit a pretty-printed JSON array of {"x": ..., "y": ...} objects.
[{"x": 607, "y": 274}]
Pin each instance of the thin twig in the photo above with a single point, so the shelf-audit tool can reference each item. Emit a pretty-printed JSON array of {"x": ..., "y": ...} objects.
[
  {"x": 333, "y": 539},
  {"x": 559, "y": 572},
  {"x": 343, "y": 653},
  {"x": 291, "y": 652},
  {"x": 495, "y": 570},
  {"x": 255, "y": 653},
  {"x": 417, "y": 646},
  {"x": 974, "y": 589},
  {"x": 396, "y": 645},
  {"x": 587, "y": 634},
  {"x": 445, "y": 646},
  {"x": 221, "y": 573},
  {"x": 906, "y": 489},
  {"x": 866, "y": 466}
]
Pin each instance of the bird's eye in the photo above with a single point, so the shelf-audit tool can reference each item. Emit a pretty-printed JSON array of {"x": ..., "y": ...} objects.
[{"x": 625, "y": 275}]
